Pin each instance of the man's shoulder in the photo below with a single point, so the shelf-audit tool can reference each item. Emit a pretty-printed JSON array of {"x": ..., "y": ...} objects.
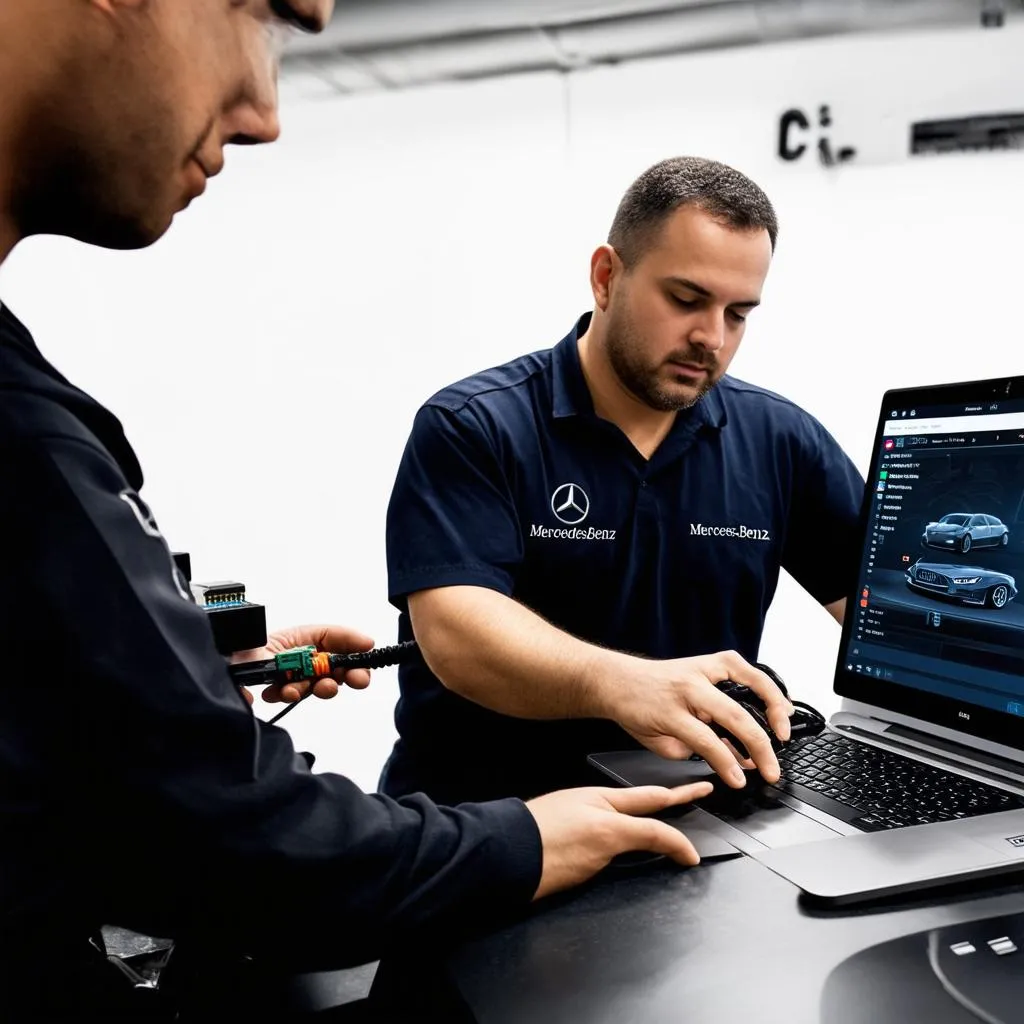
[
  {"x": 754, "y": 396},
  {"x": 39, "y": 405},
  {"x": 777, "y": 422},
  {"x": 27, "y": 416},
  {"x": 773, "y": 410},
  {"x": 41, "y": 440},
  {"x": 499, "y": 387},
  {"x": 36, "y": 401}
]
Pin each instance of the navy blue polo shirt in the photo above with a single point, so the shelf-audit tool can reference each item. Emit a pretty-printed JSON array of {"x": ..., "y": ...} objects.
[{"x": 510, "y": 481}]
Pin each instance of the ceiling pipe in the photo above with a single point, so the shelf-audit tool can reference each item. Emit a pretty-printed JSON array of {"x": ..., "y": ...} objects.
[{"x": 447, "y": 40}]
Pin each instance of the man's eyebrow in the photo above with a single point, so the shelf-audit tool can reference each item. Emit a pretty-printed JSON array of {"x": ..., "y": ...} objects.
[
  {"x": 701, "y": 290},
  {"x": 284, "y": 10}
]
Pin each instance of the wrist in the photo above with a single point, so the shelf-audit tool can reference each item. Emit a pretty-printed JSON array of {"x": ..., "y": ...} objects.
[{"x": 609, "y": 680}]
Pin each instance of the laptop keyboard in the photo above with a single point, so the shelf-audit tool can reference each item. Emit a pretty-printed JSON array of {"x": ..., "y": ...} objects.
[{"x": 874, "y": 789}]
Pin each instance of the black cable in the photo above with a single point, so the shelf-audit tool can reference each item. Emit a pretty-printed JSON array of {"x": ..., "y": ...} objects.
[
  {"x": 379, "y": 657},
  {"x": 816, "y": 720}
]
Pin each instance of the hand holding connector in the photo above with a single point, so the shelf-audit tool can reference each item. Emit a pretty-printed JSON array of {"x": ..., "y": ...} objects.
[{"x": 301, "y": 666}]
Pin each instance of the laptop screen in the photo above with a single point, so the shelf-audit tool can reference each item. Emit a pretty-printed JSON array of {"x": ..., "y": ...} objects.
[{"x": 935, "y": 627}]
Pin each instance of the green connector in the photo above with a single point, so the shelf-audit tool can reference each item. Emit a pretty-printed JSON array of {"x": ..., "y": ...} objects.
[{"x": 298, "y": 661}]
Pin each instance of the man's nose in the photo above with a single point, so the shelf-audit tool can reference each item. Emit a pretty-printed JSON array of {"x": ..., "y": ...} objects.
[
  {"x": 253, "y": 123},
  {"x": 709, "y": 331}
]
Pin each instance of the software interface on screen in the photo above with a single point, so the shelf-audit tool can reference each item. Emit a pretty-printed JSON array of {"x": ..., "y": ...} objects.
[{"x": 938, "y": 607}]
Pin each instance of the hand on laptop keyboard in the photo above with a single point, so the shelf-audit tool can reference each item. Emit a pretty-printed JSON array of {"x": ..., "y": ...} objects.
[
  {"x": 673, "y": 708},
  {"x": 804, "y": 721}
]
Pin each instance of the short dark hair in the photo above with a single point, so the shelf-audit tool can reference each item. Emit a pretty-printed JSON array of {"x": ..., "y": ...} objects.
[{"x": 719, "y": 190}]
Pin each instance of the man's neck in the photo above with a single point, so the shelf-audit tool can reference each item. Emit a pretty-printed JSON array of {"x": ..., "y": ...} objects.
[
  {"x": 8, "y": 237},
  {"x": 29, "y": 53},
  {"x": 9, "y": 234},
  {"x": 645, "y": 427}
]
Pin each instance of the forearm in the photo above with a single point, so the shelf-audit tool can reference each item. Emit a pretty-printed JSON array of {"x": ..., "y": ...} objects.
[
  {"x": 366, "y": 874},
  {"x": 500, "y": 654}
]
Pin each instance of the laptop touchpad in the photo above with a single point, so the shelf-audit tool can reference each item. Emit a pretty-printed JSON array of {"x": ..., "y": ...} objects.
[
  {"x": 751, "y": 819},
  {"x": 760, "y": 812}
]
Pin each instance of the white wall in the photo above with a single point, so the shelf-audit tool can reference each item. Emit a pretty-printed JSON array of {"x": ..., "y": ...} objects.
[{"x": 268, "y": 356}]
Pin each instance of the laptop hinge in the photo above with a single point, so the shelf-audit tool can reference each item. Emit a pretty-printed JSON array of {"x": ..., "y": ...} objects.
[{"x": 956, "y": 755}]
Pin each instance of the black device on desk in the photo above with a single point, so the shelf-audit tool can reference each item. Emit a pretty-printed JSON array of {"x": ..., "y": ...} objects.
[
  {"x": 919, "y": 778},
  {"x": 956, "y": 974}
]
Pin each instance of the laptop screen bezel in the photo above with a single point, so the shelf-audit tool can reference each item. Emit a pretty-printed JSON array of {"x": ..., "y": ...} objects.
[{"x": 985, "y": 723}]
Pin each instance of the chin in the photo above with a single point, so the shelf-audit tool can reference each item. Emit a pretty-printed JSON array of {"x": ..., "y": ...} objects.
[
  {"x": 685, "y": 396},
  {"x": 125, "y": 232},
  {"x": 127, "y": 212}
]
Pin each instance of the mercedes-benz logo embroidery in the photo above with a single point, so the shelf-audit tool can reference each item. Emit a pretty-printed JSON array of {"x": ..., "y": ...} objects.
[
  {"x": 145, "y": 519},
  {"x": 141, "y": 511},
  {"x": 570, "y": 504}
]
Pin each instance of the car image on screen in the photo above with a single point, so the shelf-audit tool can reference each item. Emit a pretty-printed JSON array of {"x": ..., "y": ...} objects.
[
  {"x": 961, "y": 531},
  {"x": 967, "y": 584}
]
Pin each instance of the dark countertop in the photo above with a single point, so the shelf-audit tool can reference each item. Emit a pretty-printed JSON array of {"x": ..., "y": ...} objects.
[{"x": 727, "y": 942}]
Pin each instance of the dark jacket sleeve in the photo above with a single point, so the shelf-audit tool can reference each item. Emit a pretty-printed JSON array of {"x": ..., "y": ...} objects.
[{"x": 189, "y": 817}]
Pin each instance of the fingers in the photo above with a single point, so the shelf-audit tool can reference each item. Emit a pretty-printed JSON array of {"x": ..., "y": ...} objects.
[
  {"x": 342, "y": 640},
  {"x": 738, "y": 721},
  {"x": 668, "y": 747},
  {"x": 777, "y": 706},
  {"x": 743, "y": 762},
  {"x": 325, "y": 689},
  {"x": 357, "y": 678},
  {"x": 648, "y": 799},
  {"x": 247, "y": 695},
  {"x": 634, "y": 833},
  {"x": 336, "y": 639},
  {"x": 713, "y": 749},
  {"x": 291, "y": 692},
  {"x": 656, "y": 836},
  {"x": 333, "y": 639}
]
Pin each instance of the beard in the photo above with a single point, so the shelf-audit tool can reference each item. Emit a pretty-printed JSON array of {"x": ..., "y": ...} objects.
[{"x": 646, "y": 380}]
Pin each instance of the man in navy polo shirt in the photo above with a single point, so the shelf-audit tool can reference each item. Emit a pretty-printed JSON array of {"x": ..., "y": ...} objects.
[{"x": 585, "y": 540}]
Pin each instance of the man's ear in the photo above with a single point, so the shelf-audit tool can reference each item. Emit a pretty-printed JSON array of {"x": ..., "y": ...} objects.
[{"x": 604, "y": 266}]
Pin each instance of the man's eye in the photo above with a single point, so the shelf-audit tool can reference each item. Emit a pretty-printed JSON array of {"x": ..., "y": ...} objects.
[
  {"x": 685, "y": 303},
  {"x": 286, "y": 14}
]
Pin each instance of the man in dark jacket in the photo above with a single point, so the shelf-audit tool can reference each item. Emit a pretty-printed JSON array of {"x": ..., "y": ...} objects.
[{"x": 136, "y": 787}]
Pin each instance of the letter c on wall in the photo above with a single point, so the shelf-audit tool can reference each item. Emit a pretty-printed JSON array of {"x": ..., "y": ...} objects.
[{"x": 791, "y": 118}]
